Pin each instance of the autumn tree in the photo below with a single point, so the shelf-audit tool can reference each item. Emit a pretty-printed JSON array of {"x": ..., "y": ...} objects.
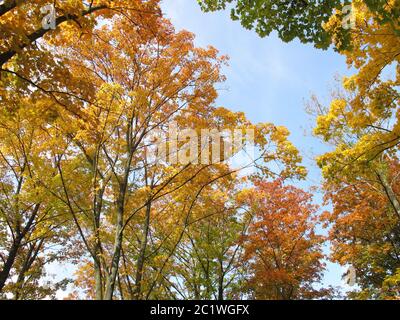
[
  {"x": 282, "y": 248},
  {"x": 208, "y": 260},
  {"x": 30, "y": 224},
  {"x": 365, "y": 234},
  {"x": 173, "y": 219},
  {"x": 127, "y": 110},
  {"x": 362, "y": 125},
  {"x": 364, "y": 220}
]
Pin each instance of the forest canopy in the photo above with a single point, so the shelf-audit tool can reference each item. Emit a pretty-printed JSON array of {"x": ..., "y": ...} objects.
[{"x": 117, "y": 162}]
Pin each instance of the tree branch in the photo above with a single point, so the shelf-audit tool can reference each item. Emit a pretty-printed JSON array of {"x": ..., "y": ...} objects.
[{"x": 6, "y": 56}]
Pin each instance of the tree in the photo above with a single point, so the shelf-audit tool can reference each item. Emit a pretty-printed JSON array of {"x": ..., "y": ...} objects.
[
  {"x": 364, "y": 222},
  {"x": 208, "y": 262},
  {"x": 365, "y": 233},
  {"x": 30, "y": 223},
  {"x": 362, "y": 124},
  {"x": 282, "y": 250},
  {"x": 291, "y": 19},
  {"x": 299, "y": 19}
]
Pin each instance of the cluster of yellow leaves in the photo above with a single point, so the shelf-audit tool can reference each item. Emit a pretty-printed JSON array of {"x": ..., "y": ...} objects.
[{"x": 370, "y": 111}]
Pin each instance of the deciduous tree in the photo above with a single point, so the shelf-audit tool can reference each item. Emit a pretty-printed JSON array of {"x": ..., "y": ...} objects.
[{"x": 282, "y": 248}]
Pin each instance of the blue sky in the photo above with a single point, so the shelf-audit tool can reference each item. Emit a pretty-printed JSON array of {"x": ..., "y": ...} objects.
[{"x": 267, "y": 79}]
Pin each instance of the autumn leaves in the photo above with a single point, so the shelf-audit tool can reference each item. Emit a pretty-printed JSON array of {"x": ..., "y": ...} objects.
[
  {"x": 80, "y": 109},
  {"x": 361, "y": 173}
]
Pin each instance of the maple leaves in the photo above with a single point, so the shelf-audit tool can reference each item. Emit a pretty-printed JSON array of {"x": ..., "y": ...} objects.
[
  {"x": 29, "y": 52},
  {"x": 282, "y": 248}
]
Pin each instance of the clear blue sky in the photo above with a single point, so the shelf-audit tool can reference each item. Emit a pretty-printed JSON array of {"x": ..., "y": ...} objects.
[{"x": 267, "y": 79}]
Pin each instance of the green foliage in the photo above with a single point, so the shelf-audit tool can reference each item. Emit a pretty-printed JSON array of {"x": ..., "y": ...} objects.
[{"x": 290, "y": 19}]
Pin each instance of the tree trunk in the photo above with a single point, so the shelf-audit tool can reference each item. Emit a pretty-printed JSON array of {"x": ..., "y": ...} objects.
[
  {"x": 389, "y": 192},
  {"x": 12, "y": 253},
  {"x": 98, "y": 280},
  {"x": 142, "y": 254},
  {"x": 221, "y": 282},
  {"x": 112, "y": 277}
]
